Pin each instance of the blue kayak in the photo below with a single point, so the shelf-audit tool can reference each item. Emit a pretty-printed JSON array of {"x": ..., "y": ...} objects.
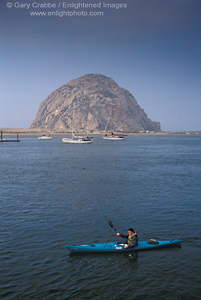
[{"x": 117, "y": 247}]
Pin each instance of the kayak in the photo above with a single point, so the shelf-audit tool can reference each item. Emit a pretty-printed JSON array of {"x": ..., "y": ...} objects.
[{"x": 117, "y": 247}]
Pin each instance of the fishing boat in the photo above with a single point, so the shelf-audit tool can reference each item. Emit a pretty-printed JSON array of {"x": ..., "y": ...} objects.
[
  {"x": 77, "y": 140},
  {"x": 45, "y": 137},
  {"x": 114, "y": 137}
]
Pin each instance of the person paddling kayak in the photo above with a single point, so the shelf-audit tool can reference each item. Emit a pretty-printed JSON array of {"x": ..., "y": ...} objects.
[{"x": 132, "y": 238}]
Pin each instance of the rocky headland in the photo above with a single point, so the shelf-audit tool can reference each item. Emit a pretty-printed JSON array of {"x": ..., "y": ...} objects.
[{"x": 92, "y": 98}]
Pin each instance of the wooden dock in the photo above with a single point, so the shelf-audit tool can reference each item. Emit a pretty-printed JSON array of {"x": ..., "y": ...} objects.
[{"x": 2, "y": 140}]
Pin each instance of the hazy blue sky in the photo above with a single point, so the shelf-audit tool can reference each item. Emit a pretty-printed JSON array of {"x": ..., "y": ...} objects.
[{"x": 152, "y": 48}]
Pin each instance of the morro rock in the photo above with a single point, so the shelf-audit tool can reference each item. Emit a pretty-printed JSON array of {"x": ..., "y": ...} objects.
[{"x": 92, "y": 98}]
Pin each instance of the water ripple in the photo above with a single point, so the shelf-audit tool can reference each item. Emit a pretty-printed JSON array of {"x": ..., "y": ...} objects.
[{"x": 48, "y": 201}]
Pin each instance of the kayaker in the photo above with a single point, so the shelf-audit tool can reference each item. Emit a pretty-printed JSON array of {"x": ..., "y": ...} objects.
[{"x": 132, "y": 238}]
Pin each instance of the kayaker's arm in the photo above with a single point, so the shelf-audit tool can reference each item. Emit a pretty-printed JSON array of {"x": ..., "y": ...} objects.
[
  {"x": 122, "y": 235},
  {"x": 133, "y": 240}
]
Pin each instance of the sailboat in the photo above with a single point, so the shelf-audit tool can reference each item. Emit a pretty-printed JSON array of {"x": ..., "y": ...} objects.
[
  {"x": 113, "y": 136},
  {"x": 77, "y": 139}
]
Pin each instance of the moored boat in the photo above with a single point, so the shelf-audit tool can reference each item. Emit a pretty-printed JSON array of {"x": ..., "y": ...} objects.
[
  {"x": 114, "y": 137},
  {"x": 45, "y": 137},
  {"x": 77, "y": 140}
]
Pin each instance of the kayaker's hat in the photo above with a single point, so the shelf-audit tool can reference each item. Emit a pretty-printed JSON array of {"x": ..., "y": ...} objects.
[{"x": 131, "y": 229}]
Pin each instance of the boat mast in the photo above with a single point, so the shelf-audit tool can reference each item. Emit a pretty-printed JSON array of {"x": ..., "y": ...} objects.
[
  {"x": 112, "y": 118},
  {"x": 73, "y": 120}
]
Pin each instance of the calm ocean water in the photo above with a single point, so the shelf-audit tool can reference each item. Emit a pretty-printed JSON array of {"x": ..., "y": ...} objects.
[{"x": 52, "y": 194}]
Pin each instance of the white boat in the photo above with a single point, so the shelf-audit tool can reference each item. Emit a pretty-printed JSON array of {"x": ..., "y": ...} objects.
[
  {"x": 45, "y": 137},
  {"x": 113, "y": 136},
  {"x": 77, "y": 139}
]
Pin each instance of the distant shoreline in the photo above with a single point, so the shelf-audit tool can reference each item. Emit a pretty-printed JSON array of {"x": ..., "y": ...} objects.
[{"x": 37, "y": 132}]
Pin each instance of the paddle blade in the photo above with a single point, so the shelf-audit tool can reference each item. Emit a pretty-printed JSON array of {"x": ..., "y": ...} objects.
[{"x": 111, "y": 225}]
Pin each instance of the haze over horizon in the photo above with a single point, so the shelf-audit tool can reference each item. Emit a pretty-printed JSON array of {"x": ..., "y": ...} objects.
[{"x": 151, "y": 48}]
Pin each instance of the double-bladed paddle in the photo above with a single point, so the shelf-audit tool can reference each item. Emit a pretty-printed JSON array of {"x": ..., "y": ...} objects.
[{"x": 111, "y": 224}]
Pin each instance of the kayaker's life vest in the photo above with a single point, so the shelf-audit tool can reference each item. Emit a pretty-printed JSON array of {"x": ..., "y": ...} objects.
[{"x": 129, "y": 242}]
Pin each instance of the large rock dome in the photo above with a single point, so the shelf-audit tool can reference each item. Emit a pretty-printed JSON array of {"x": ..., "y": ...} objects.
[{"x": 92, "y": 97}]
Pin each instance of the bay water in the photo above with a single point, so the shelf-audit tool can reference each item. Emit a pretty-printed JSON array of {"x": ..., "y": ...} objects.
[{"x": 53, "y": 194}]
